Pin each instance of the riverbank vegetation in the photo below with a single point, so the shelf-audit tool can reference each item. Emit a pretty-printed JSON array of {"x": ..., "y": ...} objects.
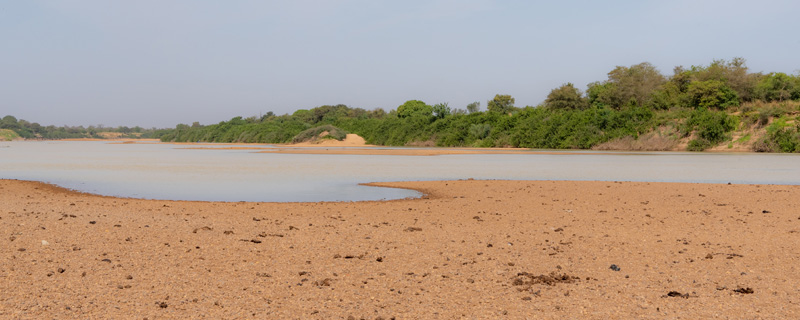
[
  {"x": 23, "y": 129},
  {"x": 719, "y": 106}
]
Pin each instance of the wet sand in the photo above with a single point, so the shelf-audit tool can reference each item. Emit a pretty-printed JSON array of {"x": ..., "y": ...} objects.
[{"x": 469, "y": 249}]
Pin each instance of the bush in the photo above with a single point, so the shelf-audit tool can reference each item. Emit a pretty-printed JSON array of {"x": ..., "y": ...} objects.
[
  {"x": 566, "y": 97},
  {"x": 480, "y": 130},
  {"x": 777, "y": 86},
  {"x": 712, "y": 127},
  {"x": 8, "y": 135},
  {"x": 561, "y": 129},
  {"x": 780, "y": 137},
  {"x": 712, "y": 94},
  {"x": 698, "y": 145}
]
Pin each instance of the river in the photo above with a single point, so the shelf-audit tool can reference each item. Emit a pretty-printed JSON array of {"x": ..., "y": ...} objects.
[{"x": 173, "y": 172}]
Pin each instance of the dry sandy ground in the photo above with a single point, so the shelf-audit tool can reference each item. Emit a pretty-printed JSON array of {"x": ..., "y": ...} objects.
[{"x": 470, "y": 249}]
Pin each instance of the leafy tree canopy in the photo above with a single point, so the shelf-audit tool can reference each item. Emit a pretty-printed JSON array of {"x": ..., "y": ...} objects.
[
  {"x": 627, "y": 85},
  {"x": 566, "y": 97},
  {"x": 778, "y": 86},
  {"x": 473, "y": 107},
  {"x": 712, "y": 94},
  {"x": 502, "y": 103},
  {"x": 441, "y": 110},
  {"x": 414, "y": 108}
]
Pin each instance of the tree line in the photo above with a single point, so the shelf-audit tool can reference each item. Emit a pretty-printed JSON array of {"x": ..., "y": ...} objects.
[
  {"x": 701, "y": 103},
  {"x": 32, "y": 130},
  {"x": 634, "y": 105}
]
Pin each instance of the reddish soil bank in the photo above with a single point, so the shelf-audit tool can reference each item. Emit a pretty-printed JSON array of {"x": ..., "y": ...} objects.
[{"x": 470, "y": 249}]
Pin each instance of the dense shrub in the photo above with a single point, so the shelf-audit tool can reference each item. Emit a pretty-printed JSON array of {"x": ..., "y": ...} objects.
[
  {"x": 711, "y": 127},
  {"x": 778, "y": 86},
  {"x": 546, "y": 128},
  {"x": 712, "y": 94},
  {"x": 781, "y": 137}
]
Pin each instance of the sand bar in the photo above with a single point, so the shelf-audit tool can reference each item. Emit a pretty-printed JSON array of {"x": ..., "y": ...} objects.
[{"x": 482, "y": 249}]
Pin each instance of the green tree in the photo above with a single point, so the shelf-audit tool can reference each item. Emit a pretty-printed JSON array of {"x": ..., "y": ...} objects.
[
  {"x": 414, "y": 108},
  {"x": 480, "y": 130},
  {"x": 635, "y": 83},
  {"x": 474, "y": 107},
  {"x": 441, "y": 110},
  {"x": 712, "y": 94},
  {"x": 502, "y": 103},
  {"x": 777, "y": 86},
  {"x": 9, "y": 122},
  {"x": 566, "y": 97},
  {"x": 712, "y": 127},
  {"x": 734, "y": 74},
  {"x": 673, "y": 92},
  {"x": 603, "y": 94}
]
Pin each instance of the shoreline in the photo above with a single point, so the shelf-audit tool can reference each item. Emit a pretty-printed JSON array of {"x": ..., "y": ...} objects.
[
  {"x": 470, "y": 248},
  {"x": 351, "y": 149}
]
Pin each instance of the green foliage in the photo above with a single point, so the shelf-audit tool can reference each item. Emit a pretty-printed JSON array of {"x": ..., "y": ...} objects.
[
  {"x": 480, "y": 131},
  {"x": 781, "y": 137},
  {"x": 626, "y": 86},
  {"x": 744, "y": 138},
  {"x": 474, "y": 107},
  {"x": 711, "y": 94},
  {"x": 734, "y": 74},
  {"x": 698, "y": 145},
  {"x": 9, "y": 122},
  {"x": 276, "y": 130},
  {"x": 635, "y": 84},
  {"x": 712, "y": 127},
  {"x": 603, "y": 94},
  {"x": 33, "y": 130},
  {"x": 631, "y": 102},
  {"x": 559, "y": 129},
  {"x": 778, "y": 86},
  {"x": 414, "y": 108},
  {"x": 441, "y": 110},
  {"x": 566, "y": 97},
  {"x": 502, "y": 103},
  {"x": 8, "y": 135}
]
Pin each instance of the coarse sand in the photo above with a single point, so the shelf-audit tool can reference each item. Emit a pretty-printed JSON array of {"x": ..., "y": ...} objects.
[{"x": 468, "y": 249}]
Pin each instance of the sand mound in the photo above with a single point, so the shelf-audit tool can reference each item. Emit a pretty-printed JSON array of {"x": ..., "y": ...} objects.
[{"x": 351, "y": 140}]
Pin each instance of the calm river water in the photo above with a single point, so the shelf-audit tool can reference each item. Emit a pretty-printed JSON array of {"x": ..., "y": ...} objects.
[{"x": 167, "y": 171}]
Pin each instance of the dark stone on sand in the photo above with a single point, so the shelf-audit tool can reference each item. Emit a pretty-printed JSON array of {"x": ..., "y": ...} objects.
[
  {"x": 747, "y": 290},
  {"x": 677, "y": 294}
]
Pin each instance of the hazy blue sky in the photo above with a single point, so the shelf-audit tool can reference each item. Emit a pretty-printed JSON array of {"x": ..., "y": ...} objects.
[{"x": 164, "y": 62}]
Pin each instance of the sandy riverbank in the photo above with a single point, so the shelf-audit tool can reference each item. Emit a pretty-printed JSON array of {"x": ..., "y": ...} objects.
[
  {"x": 469, "y": 249},
  {"x": 355, "y": 145}
]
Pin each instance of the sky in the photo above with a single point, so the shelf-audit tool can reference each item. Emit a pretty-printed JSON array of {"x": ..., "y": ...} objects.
[{"x": 158, "y": 63}]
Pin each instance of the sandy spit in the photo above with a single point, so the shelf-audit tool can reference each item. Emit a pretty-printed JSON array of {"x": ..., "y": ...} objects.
[
  {"x": 415, "y": 151},
  {"x": 469, "y": 249}
]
